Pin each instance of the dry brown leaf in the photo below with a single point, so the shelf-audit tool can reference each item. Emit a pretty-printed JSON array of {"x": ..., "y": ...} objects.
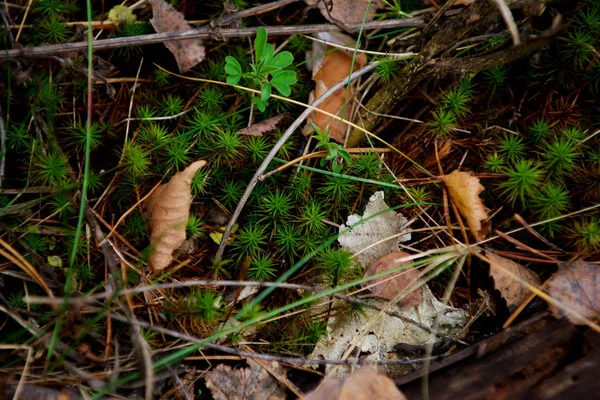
[
  {"x": 262, "y": 127},
  {"x": 576, "y": 285},
  {"x": 365, "y": 384},
  {"x": 226, "y": 383},
  {"x": 328, "y": 70},
  {"x": 347, "y": 11},
  {"x": 169, "y": 211},
  {"x": 464, "y": 190},
  {"x": 400, "y": 281},
  {"x": 188, "y": 52},
  {"x": 511, "y": 290}
]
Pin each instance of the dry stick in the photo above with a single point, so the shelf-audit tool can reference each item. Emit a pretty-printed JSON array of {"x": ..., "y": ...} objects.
[
  {"x": 509, "y": 20},
  {"x": 292, "y": 128},
  {"x": 205, "y": 32}
]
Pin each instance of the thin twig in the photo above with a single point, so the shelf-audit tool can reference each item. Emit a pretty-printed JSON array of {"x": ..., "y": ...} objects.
[
  {"x": 205, "y": 32},
  {"x": 291, "y": 129},
  {"x": 2, "y": 146}
]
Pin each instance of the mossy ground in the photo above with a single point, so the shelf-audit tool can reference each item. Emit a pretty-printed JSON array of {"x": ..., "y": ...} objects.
[{"x": 529, "y": 128}]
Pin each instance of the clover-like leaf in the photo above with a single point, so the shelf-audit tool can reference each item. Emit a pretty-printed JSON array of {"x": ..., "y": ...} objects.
[
  {"x": 233, "y": 79},
  {"x": 282, "y": 60},
  {"x": 260, "y": 42},
  {"x": 265, "y": 92},
  {"x": 260, "y": 104},
  {"x": 232, "y": 66},
  {"x": 285, "y": 76}
]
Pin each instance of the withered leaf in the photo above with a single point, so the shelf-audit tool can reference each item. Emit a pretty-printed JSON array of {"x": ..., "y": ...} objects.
[
  {"x": 226, "y": 383},
  {"x": 262, "y": 127},
  {"x": 511, "y": 290},
  {"x": 576, "y": 285},
  {"x": 188, "y": 52},
  {"x": 347, "y": 11},
  {"x": 389, "y": 286},
  {"x": 464, "y": 190},
  {"x": 370, "y": 233},
  {"x": 169, "y": 211},
  {"x": 331, "y": 67},
  {"x": 365, "y": 384}
]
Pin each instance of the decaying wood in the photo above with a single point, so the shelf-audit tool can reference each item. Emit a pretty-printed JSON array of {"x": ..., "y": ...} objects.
[{"x": 539, "y": 358}]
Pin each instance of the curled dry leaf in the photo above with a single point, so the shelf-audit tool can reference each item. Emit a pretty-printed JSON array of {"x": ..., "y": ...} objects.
[
  {"x": 226, "y": 383},
  {"x": 169, "y": 210},
  {"x": 464, "y": 190},
  {"x": 365, "y": 384},
  {"x": 510, "y": 289},
  {"x": 347, "y": 11},
  {"x": 262, "y": 127},
  {"x": 397, "y": 283},
  {"x": 576, "y": 285},
  {"x": 188, "y": 52},
  {"x": 332, "y": 66}
]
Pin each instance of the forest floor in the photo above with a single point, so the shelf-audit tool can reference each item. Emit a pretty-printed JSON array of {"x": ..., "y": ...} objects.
[{"x": 236, "y": 199}]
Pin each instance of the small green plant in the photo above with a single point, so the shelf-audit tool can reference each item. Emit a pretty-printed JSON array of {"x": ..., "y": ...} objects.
[
  {"x": 552, "y": 202},
  {"x": 581, "y": 49},
  {"x": 523, "y": 179},
  {"x": 204, "y": 305},
  {"x": 512, "y": 147},
  {"x": 540, "y": 130},
  {"x": 287, "y": 238},
  {"x": 337, "y": 187},
  {"x": 211, "y": 98},
  {"x": 269, "y": 70},
  {"x": 18, "y": 138},
  {"x": 457, "y": 100},
  {"x": 172, "y": 105},
  {"x": 494, "y": 163},
  {"x": 561, "y": 155},
  {"x": 50, "y": 169},
  {"x": 78, "y": 136},
  {"x": 145, "y": 111},
  {"x": 387, "y": 69},
  {"x": 54, "y": 7},
  {"x": 232, "y": 193},
  {"x": 262, "y": 268},
  {"x": 227, "y": 147},
  {"x": 367, "y": 165},
  {"x": 334, "y": 150},
  {"x": 195, "y": 227},
  {"x": 585, "y": 234},
  {"x": 277, "y": 206},
  {"x": 17, "y": 300},
  {"x": 52, "y": 30},
  {"x": 250, "y": 241},
  {"x": 496, "y": 76},
  {"x": 135, "y": 160},
  {"x": 443, "y": 122},
  {"x": 312, "y": 217},
  {"x": 336, "y": 264},
  {"x": 177, "y": 154},
  {"x": 62, "y": 206},
  {"x": 160, "y": 77},
  {"x": 153, "y": 135},
  {"x": 257, "y": 148}
]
